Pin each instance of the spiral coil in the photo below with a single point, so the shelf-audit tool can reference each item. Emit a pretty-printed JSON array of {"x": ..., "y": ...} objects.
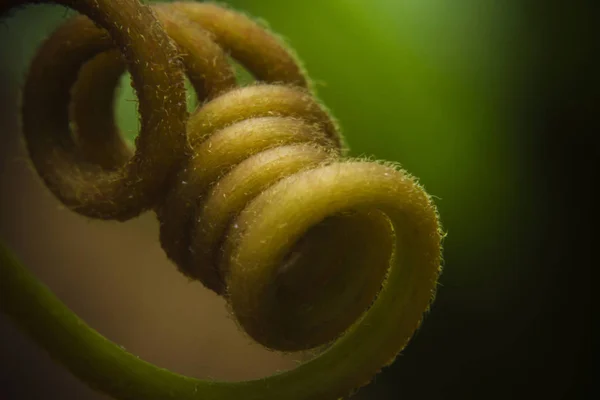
[{"x": 252, "y": 192}]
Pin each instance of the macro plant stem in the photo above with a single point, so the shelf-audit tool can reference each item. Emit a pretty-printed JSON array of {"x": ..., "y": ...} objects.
[{"x": 254, "y": 197}]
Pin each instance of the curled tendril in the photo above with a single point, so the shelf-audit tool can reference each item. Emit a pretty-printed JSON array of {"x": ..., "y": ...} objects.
[{"x": 252, "y": 193}]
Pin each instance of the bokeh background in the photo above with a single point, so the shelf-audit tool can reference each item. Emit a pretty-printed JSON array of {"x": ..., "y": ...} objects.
[{"x": 485, "y": 101}]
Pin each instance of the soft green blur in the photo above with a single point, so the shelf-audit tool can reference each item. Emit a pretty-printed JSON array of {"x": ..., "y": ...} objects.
[
  {"x": 423, "y": 83},
  {"x": 426, "y": 84}
]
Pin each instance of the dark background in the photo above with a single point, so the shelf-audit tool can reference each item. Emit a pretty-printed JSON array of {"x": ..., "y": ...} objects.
[{"x": 493, "y": 106}]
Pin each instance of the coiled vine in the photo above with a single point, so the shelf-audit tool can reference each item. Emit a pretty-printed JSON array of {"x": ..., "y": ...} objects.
[{"x": 252, "y": 191}]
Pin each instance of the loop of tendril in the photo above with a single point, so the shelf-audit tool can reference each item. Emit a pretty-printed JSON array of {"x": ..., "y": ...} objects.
[{"x": 252, "y": 192}]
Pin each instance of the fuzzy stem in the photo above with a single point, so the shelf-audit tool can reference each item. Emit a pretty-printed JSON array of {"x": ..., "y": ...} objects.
[{"x": 252, "y": 194}]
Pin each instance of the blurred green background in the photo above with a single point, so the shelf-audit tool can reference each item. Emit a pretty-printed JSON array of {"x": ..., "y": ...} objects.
[{"x": 481, "y": 100}]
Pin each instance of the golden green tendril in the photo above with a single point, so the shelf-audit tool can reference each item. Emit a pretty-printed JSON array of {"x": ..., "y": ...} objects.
[{"x": 253, "y": 197}]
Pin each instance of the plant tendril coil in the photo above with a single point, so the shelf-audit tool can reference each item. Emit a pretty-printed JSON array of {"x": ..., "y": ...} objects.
[{"x": 254, "y": 197}]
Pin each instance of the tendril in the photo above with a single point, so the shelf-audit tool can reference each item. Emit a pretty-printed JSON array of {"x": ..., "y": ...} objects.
[{"x": 254, "y": 197}]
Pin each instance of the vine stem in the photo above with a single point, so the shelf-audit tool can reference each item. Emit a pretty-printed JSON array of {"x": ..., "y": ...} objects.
[
  {"x": 237, "y": 219},
  {"x": 349, "y": 363}
]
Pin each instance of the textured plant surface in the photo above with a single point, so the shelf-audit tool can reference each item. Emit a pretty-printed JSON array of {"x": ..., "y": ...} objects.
[{"x": 252, "y": 193}]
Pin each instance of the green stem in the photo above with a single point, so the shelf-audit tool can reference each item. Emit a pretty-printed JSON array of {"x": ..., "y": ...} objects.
[{"x": 349, "y": 363}]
